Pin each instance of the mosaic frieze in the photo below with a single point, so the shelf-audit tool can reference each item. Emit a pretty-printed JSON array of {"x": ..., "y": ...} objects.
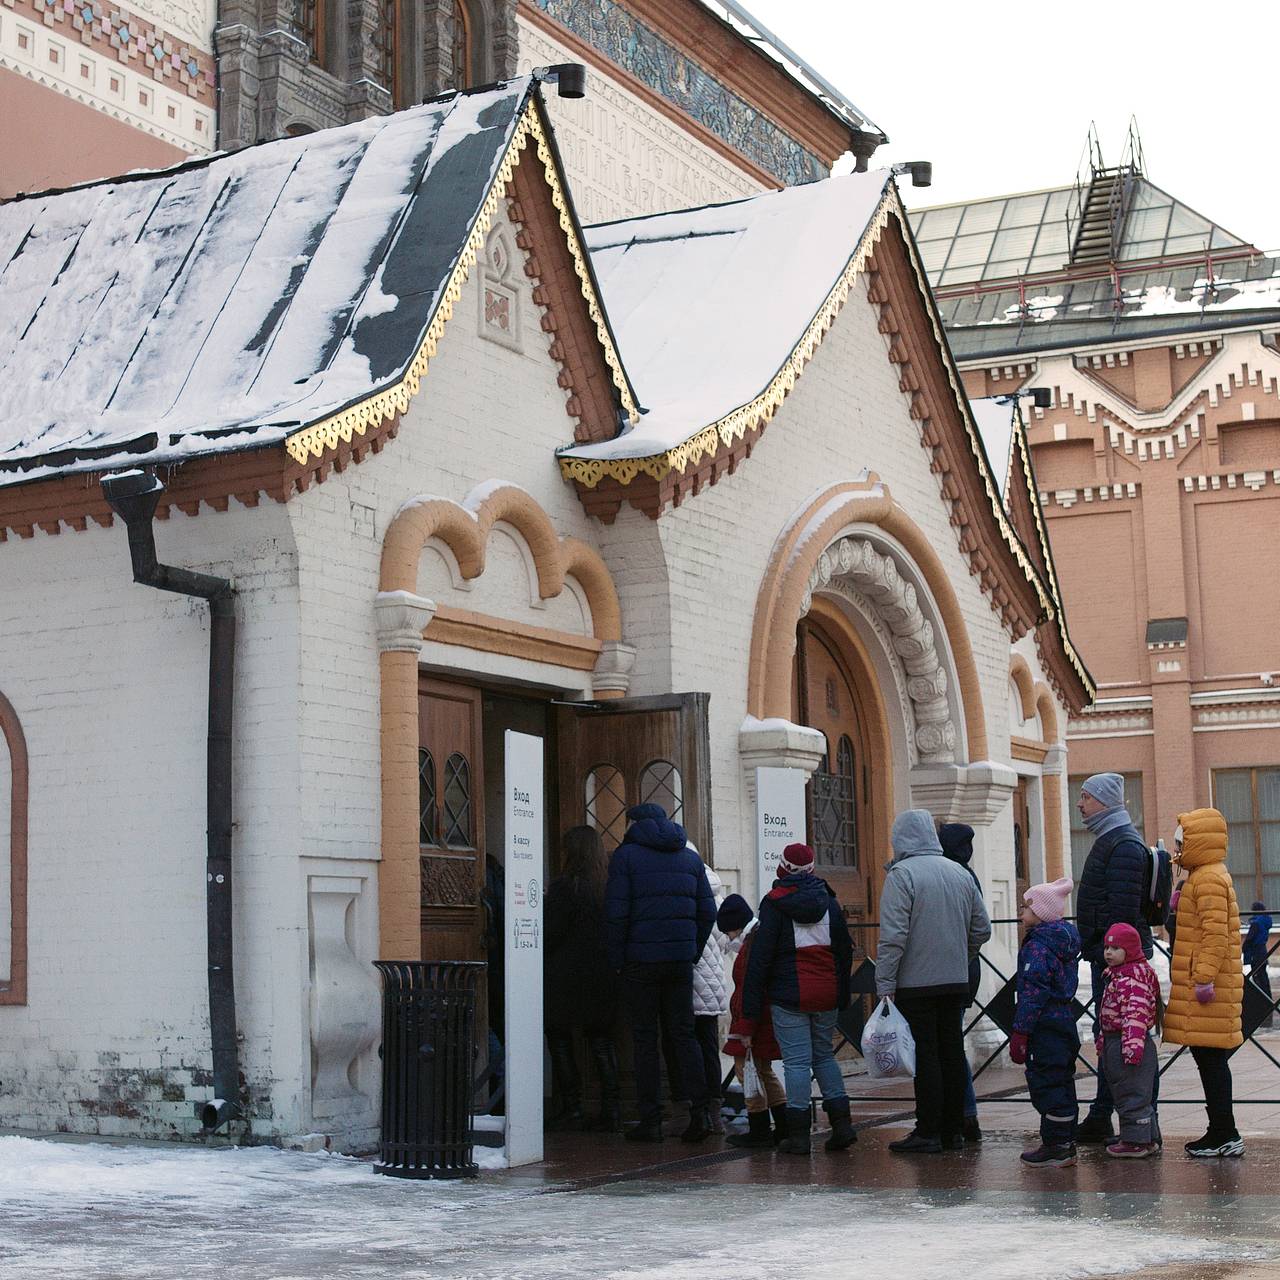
[
  {"x": 131, "y": 39},
  {"x": 623, "y": 38}
]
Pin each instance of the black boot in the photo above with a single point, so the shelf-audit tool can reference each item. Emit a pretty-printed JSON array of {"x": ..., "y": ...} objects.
[
  {"x": 972, "y": 1131},
  {"x": 843, "y": 1134},
  {"x": 699, "y": 1124},
  {"x": 757, "y": 1134},
  {"x": 566, "y": 1085},
  {"x": 1096, "y": 1127},
  {"x": 779, "y": 1115},
  {"x": 796, "y": 1143},
  {"x": 605, "y": 1057}
]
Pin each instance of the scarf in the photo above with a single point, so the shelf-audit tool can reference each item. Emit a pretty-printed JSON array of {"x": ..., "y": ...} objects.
[{"x": 1108, "y": 820}]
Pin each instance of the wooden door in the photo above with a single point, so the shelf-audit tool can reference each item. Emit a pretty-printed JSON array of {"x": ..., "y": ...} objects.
[
  {"x": 628, "y": 751},
  {"x": 451, "y": 822},
  {"x": 1021, "y": 839},
  {"x": 839, "y": 791}
]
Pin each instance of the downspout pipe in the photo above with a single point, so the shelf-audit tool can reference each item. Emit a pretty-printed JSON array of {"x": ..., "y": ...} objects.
[{"x": 133, "y": 496}]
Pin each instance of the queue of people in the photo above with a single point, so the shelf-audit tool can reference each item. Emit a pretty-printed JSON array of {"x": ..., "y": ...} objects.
[{"x": 654, "y": 928}]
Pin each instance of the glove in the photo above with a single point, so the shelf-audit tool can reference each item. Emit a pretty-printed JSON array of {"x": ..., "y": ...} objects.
[
  {"x": 1097, "y": 1044},
  {"x": 1205, "y": 992},
  {"x": 1173, "y": 901},
  {"x": 1132, "y": 1057},
  {"x": 1018, "y": 1047}
]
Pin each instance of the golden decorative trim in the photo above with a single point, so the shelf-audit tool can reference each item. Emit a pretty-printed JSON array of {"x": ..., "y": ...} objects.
[
  {"x": 312, "y": 441},
  {"x": 733, "y": 426}
]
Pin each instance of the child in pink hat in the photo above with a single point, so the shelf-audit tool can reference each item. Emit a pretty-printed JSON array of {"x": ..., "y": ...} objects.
[
  {"x": 1044, "y": 1035},
  {"x": 1126, "y": 1050}
]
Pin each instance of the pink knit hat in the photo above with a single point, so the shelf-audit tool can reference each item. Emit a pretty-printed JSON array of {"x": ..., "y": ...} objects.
[{"x": 1050, "y": 901}]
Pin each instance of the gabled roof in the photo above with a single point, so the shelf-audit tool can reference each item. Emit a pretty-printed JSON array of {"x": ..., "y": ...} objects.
[
  {"x": 291, "y": 292},
  {"x": 1006, "y": 237},
  {"x": 1004, "y": 438}
]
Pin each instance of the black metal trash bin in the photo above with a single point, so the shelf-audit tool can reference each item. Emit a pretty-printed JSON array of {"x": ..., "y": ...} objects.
[{"x": 428, "y": 1039}]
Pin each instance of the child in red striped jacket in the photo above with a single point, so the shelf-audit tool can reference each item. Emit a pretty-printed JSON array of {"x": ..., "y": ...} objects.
[{"x": 1126, "y": 1050}]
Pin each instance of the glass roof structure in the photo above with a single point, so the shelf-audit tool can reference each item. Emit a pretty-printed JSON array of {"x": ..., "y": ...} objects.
[{"x": 1026, "y": 235}]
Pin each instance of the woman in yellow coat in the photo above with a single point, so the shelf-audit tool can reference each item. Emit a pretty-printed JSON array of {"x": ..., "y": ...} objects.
[{"x": 1207, "y": 976}]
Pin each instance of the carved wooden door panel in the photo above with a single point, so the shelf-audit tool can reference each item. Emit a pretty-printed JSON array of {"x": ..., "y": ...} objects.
[
  {"x": 627, "y": 751},
  {"x": 451, "y": 820},
  {"x": 838, "y": 791},
  {"x": 1021, "y": 839}
]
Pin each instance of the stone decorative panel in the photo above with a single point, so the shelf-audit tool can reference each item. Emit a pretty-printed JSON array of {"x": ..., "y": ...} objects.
[
  {"x": 668, "y": 71},
  {"x": 501, "y": 291},
  {"x": 449, "y": 882}
]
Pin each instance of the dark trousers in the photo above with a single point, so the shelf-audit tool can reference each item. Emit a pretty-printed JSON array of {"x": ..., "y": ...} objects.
[
  {"x": 937, "y": 1027},
  {"x": 1051, "y": 1081},
  {"x": 660, "y": 997},
  {"x": 1103, "y": 1103},
  {"x": 1215, "y": 1076},
  {"x": 1260, "y": 978},
  {"x": 706, "y": 1029}
]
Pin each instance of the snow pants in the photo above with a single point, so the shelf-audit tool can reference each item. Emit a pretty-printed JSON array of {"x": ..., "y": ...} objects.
[
  {"x": 1132, "y": 1088},
  {"x": 1051, "y": 1081}
]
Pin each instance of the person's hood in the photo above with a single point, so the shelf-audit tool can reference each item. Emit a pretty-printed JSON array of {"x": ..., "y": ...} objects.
[
  {"x": 1204, "y": 837},
  {"x": 651, "y": 827},
  {"x": 957, "y": 841},
  {"x": 717, "y": 885},
  {"x": 735, "y": 944},
  {"x": 1059, "y": 936},
  {"x": 914, "y": 835},
  {"x": 803, "y": 898},
  {"x": 1127, "y": 938}
]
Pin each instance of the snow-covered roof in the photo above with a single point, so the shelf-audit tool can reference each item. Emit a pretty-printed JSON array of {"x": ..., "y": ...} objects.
[
  {"x": 994, "y": 419},
  {"x": 709, "y": 304},
  {"x": 225, "y": 303}
]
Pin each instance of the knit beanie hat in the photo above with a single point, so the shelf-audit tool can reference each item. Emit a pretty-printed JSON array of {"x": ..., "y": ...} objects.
[
  {"x": 735, "y": 913},
  {"x": 796, "y": 858},
  {"x": 1050, "y": 901},
  {"x": 1126, "y": 937},
  {"x": 1258, "y": 906},
  {"x": 1105, "y": 788}
]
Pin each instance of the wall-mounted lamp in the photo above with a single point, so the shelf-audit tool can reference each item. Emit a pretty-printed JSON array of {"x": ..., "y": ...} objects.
[
  {"x": 1041, "y": 397},
  {"x": 921, "y": 171},
  {"x": 569, "y": 78}
]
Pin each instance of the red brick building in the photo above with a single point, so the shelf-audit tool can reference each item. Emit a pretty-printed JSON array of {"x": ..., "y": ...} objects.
[{"x": 1156, "y": 336}]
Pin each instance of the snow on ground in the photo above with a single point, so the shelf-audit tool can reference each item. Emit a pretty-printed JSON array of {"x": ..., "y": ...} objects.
[{"x": 130, "y": 1212}]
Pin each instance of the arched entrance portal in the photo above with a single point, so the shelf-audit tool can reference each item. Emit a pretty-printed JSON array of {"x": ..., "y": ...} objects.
[{"x": 848, "y": 797}]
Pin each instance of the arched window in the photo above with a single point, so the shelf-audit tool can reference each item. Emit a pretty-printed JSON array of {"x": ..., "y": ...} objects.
[
  {"x": 457, "y": 802},
  {"x": 835, "y": 812},
  {"x": 463, "y": 48},
  {"x": 387, "y": 37},
  {"x": 660, "y": 784},
  {"x": 14, "y": 785},
  {"x": 427, "y": 819},
  {"x": 311, "y": 28},
  {"x": 606, "y": 804}
]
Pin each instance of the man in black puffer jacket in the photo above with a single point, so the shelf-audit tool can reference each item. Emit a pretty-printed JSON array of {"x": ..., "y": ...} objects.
[
  {"x": 1113, "y": 883},
  {"x": 659, "y": 911}
]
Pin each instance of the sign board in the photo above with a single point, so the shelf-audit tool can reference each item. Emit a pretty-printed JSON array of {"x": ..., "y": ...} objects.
[
  {"x": 524, "y": 874},
  {"x": 780, "y": 819}
]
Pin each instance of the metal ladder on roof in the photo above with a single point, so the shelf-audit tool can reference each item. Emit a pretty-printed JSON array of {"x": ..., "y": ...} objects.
[{"x": 1100, "y": 203}]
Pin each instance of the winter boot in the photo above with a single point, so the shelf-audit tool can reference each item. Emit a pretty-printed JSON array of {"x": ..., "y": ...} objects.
[
  {"x": 606, "y": 1061},
  {"x": 796, "y": 1143},
  {"x": 1132, "y": 1150},
  {"x": 971, "y": 1132},
  {"x": 916, "y": 1143},
  {"x": 566, "y": 1085},
  {"x": 843, "y": 1134},
  {"x": 757, "y": 1134},
  {"x": 1216, "y": 1144},
  {"x": 1096, "y": 1128},
  {"x": 699, "y": 1124},
  {"x": 715, "y": 1115},
  {"x": 779, "y": 1115},
  {"x": 1044, "y": 1157}
]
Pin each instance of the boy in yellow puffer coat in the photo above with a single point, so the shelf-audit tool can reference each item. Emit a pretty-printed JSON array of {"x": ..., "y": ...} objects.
[{"x": 1206, "y": 973}]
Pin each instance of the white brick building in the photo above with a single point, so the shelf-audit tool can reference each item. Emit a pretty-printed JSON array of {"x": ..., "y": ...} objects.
[{"x": 413, "y": 475}]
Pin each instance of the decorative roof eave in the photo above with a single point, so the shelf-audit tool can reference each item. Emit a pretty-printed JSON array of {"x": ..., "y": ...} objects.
[
  {"x": 369, "y": 413},
  {"x": 652, "y": 481},
  {"x": 1074, "y": 685}
]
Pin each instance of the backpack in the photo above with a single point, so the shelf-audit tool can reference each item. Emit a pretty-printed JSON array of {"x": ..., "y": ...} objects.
[{"x": 1155, "y": 901}]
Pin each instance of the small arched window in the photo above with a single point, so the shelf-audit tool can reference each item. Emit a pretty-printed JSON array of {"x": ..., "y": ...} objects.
[
  {"x": 660, "y": 784},
  {"x": 835, "y": 809},
  {"x": 457, "y": 802},
  {"x": 606, "y": 804},
  {"x": 427, "y": 821},
  {"x": 311, "y": 27},
  {"x": 14, "y": 786},
  {"x": 463, "y": 48}
]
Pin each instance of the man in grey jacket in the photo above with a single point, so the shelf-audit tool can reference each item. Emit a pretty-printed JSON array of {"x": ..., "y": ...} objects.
[{"x": 932, "y": 921}]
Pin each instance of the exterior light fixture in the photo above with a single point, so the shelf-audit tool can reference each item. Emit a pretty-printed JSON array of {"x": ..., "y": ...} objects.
[
  {"x": 569, "y": 78},
  {"x": 921, "y": 171}
]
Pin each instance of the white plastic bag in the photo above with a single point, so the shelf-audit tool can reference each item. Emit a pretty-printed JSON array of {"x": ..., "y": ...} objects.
[
  {"x": 751, "y": 1086},
  {"x": 887, "y": 1044}
]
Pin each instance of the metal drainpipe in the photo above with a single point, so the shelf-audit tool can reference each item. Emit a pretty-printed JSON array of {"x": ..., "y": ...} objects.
[{"x": 133, "y": 496}]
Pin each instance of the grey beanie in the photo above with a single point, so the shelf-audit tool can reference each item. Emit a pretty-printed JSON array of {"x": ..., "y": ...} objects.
[{"x": 1105, "y": 788}]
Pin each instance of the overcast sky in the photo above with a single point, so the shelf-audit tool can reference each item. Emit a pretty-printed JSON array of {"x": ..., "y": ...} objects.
[{"x": 999, "y": 94}]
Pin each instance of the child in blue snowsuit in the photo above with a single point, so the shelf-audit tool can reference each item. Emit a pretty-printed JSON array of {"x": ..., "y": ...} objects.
[{"x": 1044, "y": 1035}]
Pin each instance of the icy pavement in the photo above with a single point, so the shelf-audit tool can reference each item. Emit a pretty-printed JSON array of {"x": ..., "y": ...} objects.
[{"x": 126, "y": 1212}]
